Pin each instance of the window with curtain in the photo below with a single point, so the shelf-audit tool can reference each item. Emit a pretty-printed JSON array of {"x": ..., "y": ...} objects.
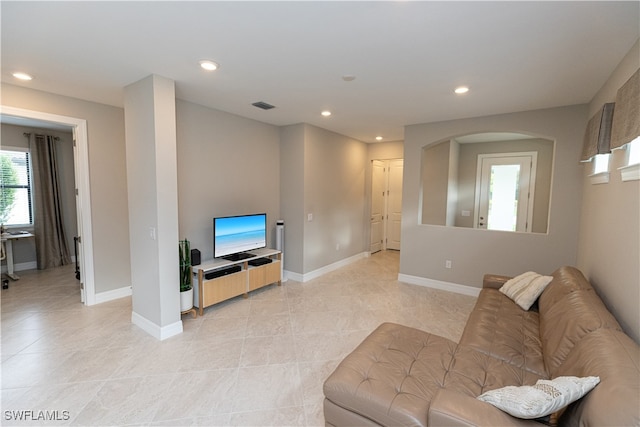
[{"x": 16, "y": 208}]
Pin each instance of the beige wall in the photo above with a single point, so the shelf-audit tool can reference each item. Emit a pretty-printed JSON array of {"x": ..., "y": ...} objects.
[
  {"x": 227, "y": 165},
  {"x": 107, "y": 175},
  {"x": 292, "y": 195},
  {"x": 608, "y": 250},
  {"x": 24, "y": 250},
  {"x": 334, "y": 170},
  {"x": 476, "y": 252},
  {"x": 435, "y": 183},
  {"x": 323, "y": 175}
]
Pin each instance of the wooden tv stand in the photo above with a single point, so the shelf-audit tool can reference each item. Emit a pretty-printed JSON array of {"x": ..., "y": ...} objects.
[{"x": 249, "y": 278}]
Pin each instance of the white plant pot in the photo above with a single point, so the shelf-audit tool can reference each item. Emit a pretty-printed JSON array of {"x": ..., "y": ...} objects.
[{"x": 186, "y": 300}]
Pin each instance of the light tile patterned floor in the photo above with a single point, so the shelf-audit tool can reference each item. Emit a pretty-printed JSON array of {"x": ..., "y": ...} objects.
[{"x": 246, "y": 362}]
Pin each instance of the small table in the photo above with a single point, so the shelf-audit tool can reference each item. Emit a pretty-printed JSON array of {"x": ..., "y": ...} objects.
[{"x": 7, "y": 239}]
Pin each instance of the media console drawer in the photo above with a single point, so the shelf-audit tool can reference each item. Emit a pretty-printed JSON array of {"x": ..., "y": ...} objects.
[
  {"x": 264, "y": 275},
  {"x": 224, "y": 287}
]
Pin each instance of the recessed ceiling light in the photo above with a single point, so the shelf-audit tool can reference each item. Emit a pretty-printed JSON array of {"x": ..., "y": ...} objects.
[
  {"x": 326, "y": 113},
  {"x": 208, "y": 65},
  {"x": 461, "y": 89},
  {"x": 22, "y": 76},
  {"x": 348, "y": 77},
  {"x": 378, "y": 138}
]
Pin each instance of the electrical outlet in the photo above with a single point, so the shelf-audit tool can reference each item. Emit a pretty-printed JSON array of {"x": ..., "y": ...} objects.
[
  {"x": 310, "y": 217},
  {"x": 447, "y": 263}
]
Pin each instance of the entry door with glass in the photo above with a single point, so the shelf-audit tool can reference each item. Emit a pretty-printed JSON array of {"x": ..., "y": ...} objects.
[{"x": 505, "y": 187}]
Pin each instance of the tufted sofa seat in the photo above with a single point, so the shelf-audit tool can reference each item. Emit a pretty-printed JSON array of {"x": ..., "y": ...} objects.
[{"x": 401, "y": 376}]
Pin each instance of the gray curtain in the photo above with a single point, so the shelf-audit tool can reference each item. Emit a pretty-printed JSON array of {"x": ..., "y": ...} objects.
[
  {"x": 597, "y": 136},
  {"x": 51, "y": 242}
]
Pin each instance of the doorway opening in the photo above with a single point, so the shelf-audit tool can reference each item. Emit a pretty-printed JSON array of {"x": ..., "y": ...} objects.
[{"x": 78, "y": 127}]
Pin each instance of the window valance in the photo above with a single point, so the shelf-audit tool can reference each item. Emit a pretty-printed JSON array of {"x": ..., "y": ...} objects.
[
  {"x": 597, "y": 136},
  {"x": 626, "y": 120}
]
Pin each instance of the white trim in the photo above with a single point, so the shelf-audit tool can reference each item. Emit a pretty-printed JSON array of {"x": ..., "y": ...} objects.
[
  {"x": 630, "y": 172},
  {"x": 599, "y": 178},
  {"x": 113, "y": 294},
  {"x": 326, "y": 269},
  {"x": 81, "y": 164},
  {"x": 160, "y": 333},
  {"x": 31, "y": 265},
  {"x": 437, "y": 284}
]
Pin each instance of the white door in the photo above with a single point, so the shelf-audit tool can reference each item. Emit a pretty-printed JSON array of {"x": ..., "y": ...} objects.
[
  {"x": 378, "y": 188},
  {"x": 394, "y": 204},
  {"x": 505, "y": 188}
]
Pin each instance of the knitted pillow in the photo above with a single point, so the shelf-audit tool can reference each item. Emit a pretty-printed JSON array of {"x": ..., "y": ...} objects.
[
  {"x": 525, "y": 289},
  {"x": 542, "y": 399}
]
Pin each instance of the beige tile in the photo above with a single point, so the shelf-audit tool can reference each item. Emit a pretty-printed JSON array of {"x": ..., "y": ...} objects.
[
  {"x": 268, "y": 325},
  {"x": 269, "y": 350},
  {"x": 292, "y": 416},
  {"x": 63, "y": 402},
  {"x": 198, "y": 394},
  {"x": 207, "y": 356},
  {"x": 267, "y": 387},
  {"x": 126, "y": 401},
  {"x": 255, "y": 361}
]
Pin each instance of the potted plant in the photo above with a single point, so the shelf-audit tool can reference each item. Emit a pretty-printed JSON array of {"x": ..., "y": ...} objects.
[{"x": 186, "y": 287}]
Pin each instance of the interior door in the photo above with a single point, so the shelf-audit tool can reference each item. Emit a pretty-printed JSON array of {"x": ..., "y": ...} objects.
[
  {"x": 505, "y": 187},
  {"x": 394, "y": 204},
  {"x": 377, "y": 204}
]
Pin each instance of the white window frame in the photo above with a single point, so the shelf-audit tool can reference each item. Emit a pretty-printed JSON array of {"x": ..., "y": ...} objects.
[
  {"x": 30, "y": 190},
  {"x": 631, "y": 172},
  {"x": 600, "y": 171}
]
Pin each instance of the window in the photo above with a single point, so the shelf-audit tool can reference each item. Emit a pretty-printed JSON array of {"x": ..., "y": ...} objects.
[
  {"x": 600, "y": 163},
  {"x": 631, "y": 172},
  {"x": 633, "y": 156},
  {"x": 600, "y": 173},
  {"x": 15, "y": 184}
]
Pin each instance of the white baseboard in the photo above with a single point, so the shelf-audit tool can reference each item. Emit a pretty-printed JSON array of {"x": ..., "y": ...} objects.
[
  {"x": 111, "y": 295},
  {"x": 437, "y": 284},
  {"x": 326, "y": 269},
  {"x": 160, "y": 333},
  {"x": 31, "y": 265}
]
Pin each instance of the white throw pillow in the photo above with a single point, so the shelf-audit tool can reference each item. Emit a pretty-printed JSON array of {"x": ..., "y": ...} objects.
[
  {"x": 542, "y": 399},
  {"x": 525, "y": 289}
]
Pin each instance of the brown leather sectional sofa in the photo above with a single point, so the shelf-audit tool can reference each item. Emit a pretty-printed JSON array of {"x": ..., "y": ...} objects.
[{"x": 400, "y": 376}]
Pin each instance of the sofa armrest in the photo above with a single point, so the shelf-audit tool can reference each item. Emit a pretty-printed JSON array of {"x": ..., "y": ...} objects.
[
  {"x": 450, "y": 408},
  {"x": 494, "y": 281}
]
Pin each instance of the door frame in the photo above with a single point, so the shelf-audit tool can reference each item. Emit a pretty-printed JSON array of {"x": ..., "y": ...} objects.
[
  {"x": 533, "y": 155},
  {"x": 83, "y": 205}
]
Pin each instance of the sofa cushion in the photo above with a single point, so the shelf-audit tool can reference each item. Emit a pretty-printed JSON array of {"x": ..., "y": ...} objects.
[
  {"x": 615, "y": 358},
  {"x": 570, "y": 319},
  {"x": 391, "y": 377},
  {"x": 565, "y": 281},
  {"x": 499, "y": 328}
]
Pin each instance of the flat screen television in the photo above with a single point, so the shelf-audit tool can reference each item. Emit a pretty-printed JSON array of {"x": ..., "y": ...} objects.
[{"x": 234, "y": 235}]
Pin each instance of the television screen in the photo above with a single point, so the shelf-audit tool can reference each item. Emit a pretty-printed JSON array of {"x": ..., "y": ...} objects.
[{"x": 234, "y": 234}]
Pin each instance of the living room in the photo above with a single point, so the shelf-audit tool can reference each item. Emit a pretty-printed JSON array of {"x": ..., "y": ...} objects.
[{"x": 227, "y": 164}]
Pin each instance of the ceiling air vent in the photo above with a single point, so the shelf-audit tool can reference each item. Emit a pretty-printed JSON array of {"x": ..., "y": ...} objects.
[{"x": 263, "y": 105}]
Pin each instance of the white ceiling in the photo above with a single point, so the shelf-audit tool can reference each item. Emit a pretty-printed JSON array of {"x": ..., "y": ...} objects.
[{"x": 407, "y": 56}]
